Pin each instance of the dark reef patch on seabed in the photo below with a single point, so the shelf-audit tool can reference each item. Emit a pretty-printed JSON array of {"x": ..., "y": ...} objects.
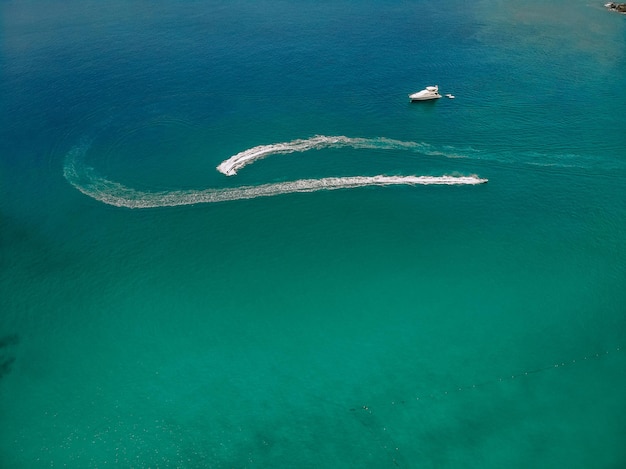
[
  {"x": 621, "y": 7},
  {"x": 6, "y": 360}
]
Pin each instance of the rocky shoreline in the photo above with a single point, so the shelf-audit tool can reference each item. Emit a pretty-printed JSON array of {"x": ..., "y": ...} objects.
[{"x": 620, "y": 7}]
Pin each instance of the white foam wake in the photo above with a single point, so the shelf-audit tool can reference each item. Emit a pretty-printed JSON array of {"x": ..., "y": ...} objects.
[
  {"x": 113, "y": 193},
  {"x": 230, "y": 166}
]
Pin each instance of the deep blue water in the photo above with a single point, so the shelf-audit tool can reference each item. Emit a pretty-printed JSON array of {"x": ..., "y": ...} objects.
[{"x": 407, "y": 325}]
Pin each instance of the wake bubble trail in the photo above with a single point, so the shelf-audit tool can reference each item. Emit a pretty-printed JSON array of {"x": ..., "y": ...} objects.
[
  {"x": 113, "y": 193},
  {"x": 230, "y": 166}
]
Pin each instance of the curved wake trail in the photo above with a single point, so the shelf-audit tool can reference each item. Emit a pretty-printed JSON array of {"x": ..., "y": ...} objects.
[
  {"x": 230, "y": 166},
  {"x": 113, "y": 193}
]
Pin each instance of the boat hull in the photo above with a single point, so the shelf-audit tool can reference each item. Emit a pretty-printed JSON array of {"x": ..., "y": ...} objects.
[{"x": 424, "y": 98}]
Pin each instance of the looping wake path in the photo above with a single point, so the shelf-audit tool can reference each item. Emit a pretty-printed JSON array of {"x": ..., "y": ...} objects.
[
  {"x": 89, "y": 183},
  {"x": 230, "y": 166}
]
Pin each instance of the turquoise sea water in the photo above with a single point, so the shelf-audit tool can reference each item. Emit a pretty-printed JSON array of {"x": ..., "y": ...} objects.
[{"x": 402, "y": 326}]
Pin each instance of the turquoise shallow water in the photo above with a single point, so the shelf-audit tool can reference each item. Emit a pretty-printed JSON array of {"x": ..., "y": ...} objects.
[{"x": 399, "y": 326}]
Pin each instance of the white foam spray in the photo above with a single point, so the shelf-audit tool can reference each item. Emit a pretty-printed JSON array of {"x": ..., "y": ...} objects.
[{"x": 230, "y": 166}]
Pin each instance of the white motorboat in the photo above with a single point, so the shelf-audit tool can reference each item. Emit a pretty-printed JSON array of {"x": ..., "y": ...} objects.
[{"x": 430, "y": 92}]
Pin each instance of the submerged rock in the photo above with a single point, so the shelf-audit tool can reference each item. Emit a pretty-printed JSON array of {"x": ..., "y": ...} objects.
[{"x": 621, "y": 7}]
